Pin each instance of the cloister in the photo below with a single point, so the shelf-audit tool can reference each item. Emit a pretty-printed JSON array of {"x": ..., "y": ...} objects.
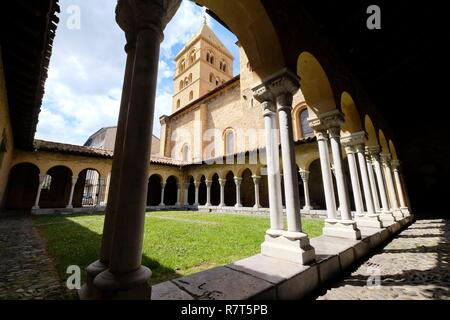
[{"x": 349, "y": 172}]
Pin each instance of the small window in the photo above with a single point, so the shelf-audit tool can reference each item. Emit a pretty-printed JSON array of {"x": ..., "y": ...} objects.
[
  {"x": 211, "y": 77},
  {"x": 304, "y": 124},
  {"x": 181, "y": 84},
  {"x": 178, "y": 103},
  {"x": 185, "y": 153},
  {"x": 191, "y": 95},
  {"x": 224, "y": 67},
  {"x": 190, "y": 77},
  {"x": 229, "y": 142}
]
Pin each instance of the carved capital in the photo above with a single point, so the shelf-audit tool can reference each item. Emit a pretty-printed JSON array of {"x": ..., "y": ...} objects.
[
  {"x": 327, "y": 120},
  {"x": 354, "y": 139},
  {"x": 304, "y": 174},
  {"x": 256, "y": 179},
  {"x": 237, "y": 180},
  {"x": 373, "y": 150},
  {"x": 135, "y": 15},
  {"x": 386, "y": 159},
  {"x": 268, "y": 108},
  {"x": 279, "y": 87},
  {"x": 395, "y": 164}
]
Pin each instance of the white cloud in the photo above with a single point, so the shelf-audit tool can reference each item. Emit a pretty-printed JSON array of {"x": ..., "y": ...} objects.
[{"x": 84, "y": 86}]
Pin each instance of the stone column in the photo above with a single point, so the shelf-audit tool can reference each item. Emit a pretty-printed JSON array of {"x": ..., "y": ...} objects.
[
  {"x": 373, "y": 184},
  {"x": 256, "y": 180},
  {"x": 222, "y": 192},
  {"x": 371, "y": 218},
  {"x": 238, "y": 181},
  {"x": 186, "y": 193},
  {"x": 273, "y": 167},
  {"x": 322, "y": 142},
  {"x": 345, "y": 227},
  {"x": 72, "y": 189},
  {"x": 197, "y": 185},
  {"x": 208, "y": 193},
  {"x": 38, "y": 195},
  {"x": 304, "y": 174},
  {"x": 293, "y": 245},
  {"x": 348, "y": 226},
  {"x": 89, "y": 291},
  {"x": 178, "y": 203},
  {"x": 163, "y": 187},
  {"x": 401, "y": 195},
  {"x": 386, "y": 216},
  {"x": 126, "y": 278},
  {"x": 354, "y": 177},
  {"x": 386, "y": 161}
]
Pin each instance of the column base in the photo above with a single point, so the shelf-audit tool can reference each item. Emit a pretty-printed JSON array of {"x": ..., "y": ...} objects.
[
  {"x": 127, "y": 286},
  {"x": 88, "y": 291},
  {"x": 398, "y": 215},
  {"x": 307, "y": 208},
  {"x": 69, "y": 206},
  {"x": 256, "y": 206},
  {"x": 369, "y": 221},
  {"x": 290, "y": 246},
  {"x": 238, "y": 205},
  {"x": 405, "y": 211},
  {"x": 387, "y": 218},
  {"x": 341, "y": 229}
]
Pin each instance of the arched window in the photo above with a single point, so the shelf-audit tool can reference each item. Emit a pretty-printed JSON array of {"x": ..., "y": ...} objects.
[
  {"x": 211, "y": 77},
  {"x": 185, "y": 153},
  {"x": 178, "y": 103},
  {"x": 224, "y": 67},
  {"x": 191, "y": 95},
  {"x": 221, "y": 65},
  {"x": 186, "y": 82},
  {"x": 212, "y": 59},
  {"x": 182, "y": 65},
  {"x": 217, "y": 81},
  {"x": 192, "y": 56},
  {"x": 181, "y": 84},
  {"x": 304, "y": 125},
  {"x": 208, "y": 56},
  {"x": 229, "y": 142},
  {"x": 190, "y": 77}
]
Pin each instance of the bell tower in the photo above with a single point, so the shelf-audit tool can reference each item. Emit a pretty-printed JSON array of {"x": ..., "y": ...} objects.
[{"x": 201, "y": 66}]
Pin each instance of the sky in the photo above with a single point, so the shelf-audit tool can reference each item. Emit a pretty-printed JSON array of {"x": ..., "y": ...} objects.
[{"x": 83, "y": 89}]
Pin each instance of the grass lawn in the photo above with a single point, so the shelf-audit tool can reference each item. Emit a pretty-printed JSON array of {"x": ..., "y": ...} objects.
[{"x": 176, "y": 243}]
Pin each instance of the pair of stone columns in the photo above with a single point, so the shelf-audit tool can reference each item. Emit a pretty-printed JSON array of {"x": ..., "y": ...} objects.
[
  {"x": 118, "y": 274},
  {"x": 304, "y": 174},
  {"x": 327, "y": 127},
  {"x": 163, "y": 187},
  {"x": 276, "y": 94},
  {"x": 355, "y": 148}
]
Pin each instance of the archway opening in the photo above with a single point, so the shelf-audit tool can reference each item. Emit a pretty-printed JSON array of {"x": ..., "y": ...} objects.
[
  {"x": 230, "y": 190},
  {"x": 316, "y": 193},
  {"x": 154, "y": 190},
  {"x": 23, "y": 185},
  {"x": 170, "y": 191},
  {"x": 202, "y": 189},
  {"x": 87, "y": 189},
  {"x": 215, "y": 190},
  {"x": 191, "y": 191},
  {"x": 58, "y": 192},
  {"x": 247, "y": 189}
]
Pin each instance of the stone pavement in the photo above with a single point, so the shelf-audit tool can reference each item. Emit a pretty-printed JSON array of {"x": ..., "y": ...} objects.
[
  {"x": 26, "y": 271},
  {"x": 413, "y": 266}
]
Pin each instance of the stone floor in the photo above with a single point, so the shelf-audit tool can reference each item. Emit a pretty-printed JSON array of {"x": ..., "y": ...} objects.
[
  {"x": 26, "y": 271},
  {"x": 413, "y": 266}
]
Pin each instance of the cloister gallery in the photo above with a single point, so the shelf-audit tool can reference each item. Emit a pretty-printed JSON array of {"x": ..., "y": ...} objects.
[{"x": 324, "y": 144}]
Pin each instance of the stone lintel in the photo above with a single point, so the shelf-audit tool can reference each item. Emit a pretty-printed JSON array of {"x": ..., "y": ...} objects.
[{"x": 327, "y": 120}]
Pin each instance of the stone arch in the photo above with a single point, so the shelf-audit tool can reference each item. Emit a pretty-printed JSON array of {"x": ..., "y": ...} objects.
[
  {"x": 87, "y": 188},
  {"x": 393, "y": 150},
  {"x": 251, "y": 24},
  {"x": 23, "y": 184},
  {"x": 315, "y": 85},
  {"x": 215, "y": 190},
  {"x": 202, "y": 190},
  {"x": 229, "y": 146},
  {"x": 154, "y": 190},
  {"x": 352, "y": 121},
  {"x": 372, "y": 137},
  {"x": 317, "y": 195},
  {"x": 170, "y": 191},
  {"x": 191, "y": 190},
  {"x": 247, "y": 188},
  {"x": 57, "y": 196},
  {"x": 383, "y": 142},
  {"x": 230, "y": 189}
]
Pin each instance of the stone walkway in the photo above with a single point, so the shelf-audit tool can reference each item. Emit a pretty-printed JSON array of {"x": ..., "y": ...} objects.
[
  {"x": 414, "y": 266},
  {"x": 26, "y": 271}
]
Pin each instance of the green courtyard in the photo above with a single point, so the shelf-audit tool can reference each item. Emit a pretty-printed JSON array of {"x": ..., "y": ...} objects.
[{"x": 176, "y": 243}]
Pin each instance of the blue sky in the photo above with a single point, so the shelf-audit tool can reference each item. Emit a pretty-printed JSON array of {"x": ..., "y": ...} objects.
[{"x": 82, "y": 92}]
